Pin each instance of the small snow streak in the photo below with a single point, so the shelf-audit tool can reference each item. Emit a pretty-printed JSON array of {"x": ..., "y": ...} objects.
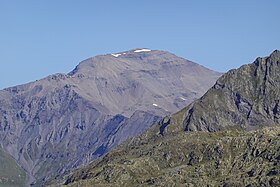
[
  {"x": 142, "y": 50},
  {"x": 116, "y": 55},
  {"x": 183, "y": 98},
  {"x": 155, "y": 104}
]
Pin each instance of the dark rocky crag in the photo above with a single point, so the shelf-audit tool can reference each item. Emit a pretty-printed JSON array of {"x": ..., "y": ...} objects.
[
  {"x": 229, "y": 137},
  {"x": 246, "y": 98},
  {"x": 66, "y": 120}
]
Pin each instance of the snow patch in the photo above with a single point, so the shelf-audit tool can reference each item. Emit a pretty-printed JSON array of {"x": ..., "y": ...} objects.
[
  {"x": 116, "y": 55},
  {"x": 155, "y": 104},
  {"x": 183, "y": 98},
  {"x": 141, "y": 50}
]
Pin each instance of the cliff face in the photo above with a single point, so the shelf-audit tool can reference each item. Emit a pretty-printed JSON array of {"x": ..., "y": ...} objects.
[
  {"x": 225, "y": 138},
  {"x": 65, "y": 120}
]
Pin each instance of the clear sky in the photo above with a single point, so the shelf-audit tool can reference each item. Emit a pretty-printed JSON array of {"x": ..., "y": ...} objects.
[{"x": 38, "y": 38}]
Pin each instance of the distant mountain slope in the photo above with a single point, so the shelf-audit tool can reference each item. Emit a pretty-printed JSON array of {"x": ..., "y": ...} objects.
[
  {"x": 63, "y": 121},
  {"x": 126, "y": 83},
  {"x": 241, "y": 153}
]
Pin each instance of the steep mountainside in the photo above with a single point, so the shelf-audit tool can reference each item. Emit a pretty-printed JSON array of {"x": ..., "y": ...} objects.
[
  {"x": 63, "y": 121},
  {"x": 240, "y": 153},
  {"x": 247, "y": 98}
]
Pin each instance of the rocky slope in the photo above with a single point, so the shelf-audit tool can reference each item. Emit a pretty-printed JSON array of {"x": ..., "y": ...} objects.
[
  {"x": 65, "y": 120},
  {"x": 232, "y": 145},
  {"x": 246, "y": 98},
  {"x": 225, "y": 158}
]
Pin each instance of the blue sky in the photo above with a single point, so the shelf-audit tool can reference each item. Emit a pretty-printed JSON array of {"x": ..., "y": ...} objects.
[{"x": 38, "y": 38}]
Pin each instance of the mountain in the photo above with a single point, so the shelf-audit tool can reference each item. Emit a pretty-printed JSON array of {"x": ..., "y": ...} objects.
[
  {"x": 66, "y": 120},
  {"x": 229, "y": 137},
  {"x": 246, "y": 98}
]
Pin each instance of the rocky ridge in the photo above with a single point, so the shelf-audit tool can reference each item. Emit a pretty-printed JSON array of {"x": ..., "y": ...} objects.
[{"x": 246, "y": 98}]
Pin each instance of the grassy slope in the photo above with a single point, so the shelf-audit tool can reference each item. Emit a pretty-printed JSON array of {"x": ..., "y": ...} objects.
[
  {"x": 228, "y": 158},
  {"x": 10, "y": 173}
]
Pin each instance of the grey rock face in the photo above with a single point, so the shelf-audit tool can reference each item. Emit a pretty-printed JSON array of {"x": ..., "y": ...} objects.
[{"x": 64, "y": 121}]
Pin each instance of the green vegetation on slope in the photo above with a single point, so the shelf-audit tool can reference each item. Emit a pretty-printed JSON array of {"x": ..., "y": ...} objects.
[
  {"x": 226, "y": 158},
  {"x": 11, "y": 174}
]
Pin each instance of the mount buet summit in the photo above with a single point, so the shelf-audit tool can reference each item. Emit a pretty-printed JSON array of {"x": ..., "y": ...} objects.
[{"x": 66, "y": 120}]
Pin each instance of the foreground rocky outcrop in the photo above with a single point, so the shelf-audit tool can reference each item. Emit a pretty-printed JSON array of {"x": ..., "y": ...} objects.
[
  {"x": 66, "y": 120},
  {"x": 227, "y": 158},
  {"x": 229, "y": 137}
]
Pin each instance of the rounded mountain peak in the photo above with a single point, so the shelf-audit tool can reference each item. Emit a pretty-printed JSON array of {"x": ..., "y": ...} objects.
[{"x": 131, "y": 59}]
